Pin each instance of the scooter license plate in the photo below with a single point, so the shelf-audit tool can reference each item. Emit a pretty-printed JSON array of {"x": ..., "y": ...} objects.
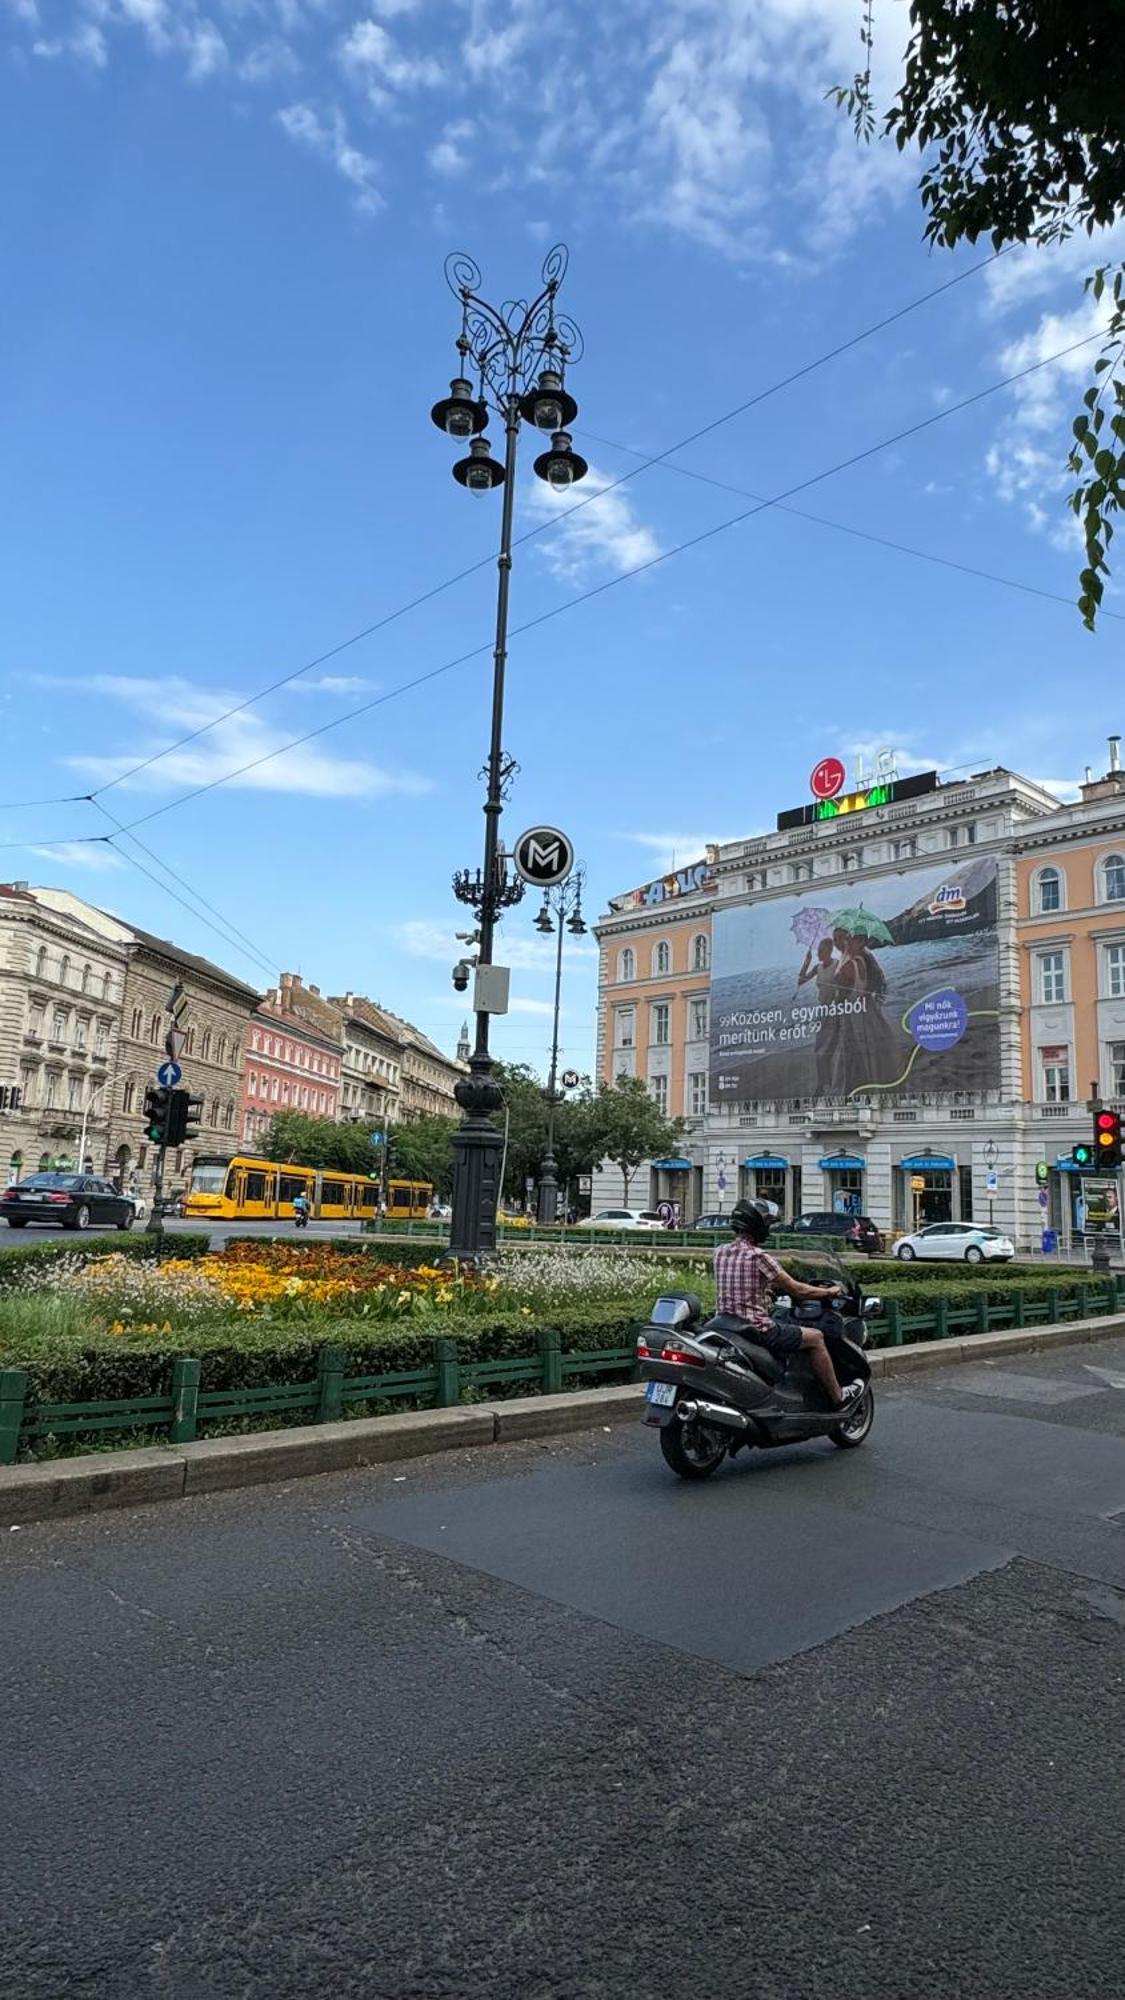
[{"x": 661, "y": 1393}]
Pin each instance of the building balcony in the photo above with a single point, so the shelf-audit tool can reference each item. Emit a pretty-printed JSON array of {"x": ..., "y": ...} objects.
[{"x": 32, "y": 1041}]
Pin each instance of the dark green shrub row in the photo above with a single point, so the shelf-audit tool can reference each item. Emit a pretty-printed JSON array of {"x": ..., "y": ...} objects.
[
  {"x": 249, "y": 1356},
  {"x": 133, "y": 1244}
]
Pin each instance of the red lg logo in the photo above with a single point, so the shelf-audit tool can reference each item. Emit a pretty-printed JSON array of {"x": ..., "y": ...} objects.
[{"x": 827, "y": 779}]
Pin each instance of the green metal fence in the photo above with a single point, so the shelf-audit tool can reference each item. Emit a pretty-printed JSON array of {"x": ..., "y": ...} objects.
[{"x": 449, "y": 1378}]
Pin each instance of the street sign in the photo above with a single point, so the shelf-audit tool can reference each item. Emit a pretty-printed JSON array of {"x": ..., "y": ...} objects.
[
  {"x": 991, "y": 1181},
  {"x": 1043, "y": 1198},
  {"x": 175, "y": 1042},
  {"x": 721, "y": 1183},
  {"x": 570, "y": 1079},
  {"x": 376, "y": 1138},
  {"x": 169, "y": 1075},
  {"x": 543, "y": 856}
]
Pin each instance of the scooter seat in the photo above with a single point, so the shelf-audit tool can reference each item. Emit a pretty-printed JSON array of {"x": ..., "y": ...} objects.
[{"x": 759, "y": 1357}]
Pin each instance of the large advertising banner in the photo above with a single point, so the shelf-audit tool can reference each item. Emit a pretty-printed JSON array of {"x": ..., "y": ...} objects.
[{"x": 833, "y": 993}]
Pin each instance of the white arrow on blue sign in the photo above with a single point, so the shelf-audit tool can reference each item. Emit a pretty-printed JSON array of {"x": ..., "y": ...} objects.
[{"x": 169, "y": 1075}]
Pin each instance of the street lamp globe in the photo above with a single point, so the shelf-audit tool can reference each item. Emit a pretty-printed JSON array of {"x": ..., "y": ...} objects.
[
  {"x": 479, "y": 473},
  {"x": 543, "y": 922},
  {"x": 561, "y": 466},
  {"x": 548, "y": 406},
  {"x": 459, "y": 414},
  {"x": 576, "y": 925}
]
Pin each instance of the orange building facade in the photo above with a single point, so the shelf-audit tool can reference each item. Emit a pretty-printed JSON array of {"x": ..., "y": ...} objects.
[
  {"x": 1070, "y": 888},
  {"x": 654, "y": 1022}
]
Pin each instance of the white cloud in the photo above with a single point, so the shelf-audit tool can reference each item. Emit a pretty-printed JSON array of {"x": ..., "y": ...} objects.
[
  {"x": 908, "y": 760},
  {"x": 594, "y": 529},
  {"x": 178, "y": 707},
  {"x": 75, "y": 854},
  {"x": 333, "y": 684},
  {"x": 680, "y": 850},
  {"x": 206, "y": 51},
  {"x": 520, "y": 1004},
  {"x": 1063, "y": 789},
  {"x": 86, "y": 45},
  {"x": 267, "y": 61},
  {"x": 422, "y": 937},
  {"x": 327, "y": 136},
  {"x": 1027, "y": 457},
  {"x": 373, "y": 58},
  {"x": 1029, "y": 271},
  {"x": 449, "y": 156}
]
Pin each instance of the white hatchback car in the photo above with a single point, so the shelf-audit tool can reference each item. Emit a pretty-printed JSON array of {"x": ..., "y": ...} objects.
[
  {"x": 622, "y": 1218},
  {"x": 956, "y": 1239}
]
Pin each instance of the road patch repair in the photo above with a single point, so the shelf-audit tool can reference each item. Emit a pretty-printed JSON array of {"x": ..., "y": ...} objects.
[{"x": 95, "y": 1481}]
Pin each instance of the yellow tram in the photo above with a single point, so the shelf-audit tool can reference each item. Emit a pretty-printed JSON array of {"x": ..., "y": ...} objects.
[{"x": 251, "y": 1190}]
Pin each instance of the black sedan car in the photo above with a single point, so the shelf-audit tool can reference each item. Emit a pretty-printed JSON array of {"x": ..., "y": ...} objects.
[
  {"x": 858, "y": 1231},
  {"x": 71, "y": 1201}
]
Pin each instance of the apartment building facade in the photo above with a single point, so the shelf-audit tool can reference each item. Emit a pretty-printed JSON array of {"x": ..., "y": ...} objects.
[
  {"x": 654, "y": 987},
  {"x": 61, "y": 988},
  {"x": 293, "y": 1059}
]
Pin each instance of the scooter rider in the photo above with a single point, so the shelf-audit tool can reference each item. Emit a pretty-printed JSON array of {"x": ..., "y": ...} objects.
[
  {"x": 301, "y": 1209},
  {"x": 746, "y": 1279}
]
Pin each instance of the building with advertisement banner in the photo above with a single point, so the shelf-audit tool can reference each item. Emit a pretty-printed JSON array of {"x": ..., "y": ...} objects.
[{"x": 909, "y": 977}]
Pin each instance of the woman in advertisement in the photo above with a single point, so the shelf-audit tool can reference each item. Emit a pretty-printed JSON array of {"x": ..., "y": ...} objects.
[{"x": 864, "y": 1049}]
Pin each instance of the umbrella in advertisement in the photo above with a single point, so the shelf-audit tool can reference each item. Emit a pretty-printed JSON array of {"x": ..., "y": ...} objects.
[
  {"x": 811, "y": 925},
  {"x": 860, "y": 923}
]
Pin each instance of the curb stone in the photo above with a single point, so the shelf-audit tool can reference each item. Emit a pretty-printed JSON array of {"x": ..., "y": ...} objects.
[{"x": 97, "y": 1481}]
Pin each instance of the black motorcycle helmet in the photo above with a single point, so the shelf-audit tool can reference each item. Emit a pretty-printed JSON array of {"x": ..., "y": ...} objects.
[{"x": 747, "y": 1219}]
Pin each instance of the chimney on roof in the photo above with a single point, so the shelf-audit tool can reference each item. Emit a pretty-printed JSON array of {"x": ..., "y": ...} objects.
[
  {"x": 315, "y": 990},
  {"x": 1115, "y": 753}
]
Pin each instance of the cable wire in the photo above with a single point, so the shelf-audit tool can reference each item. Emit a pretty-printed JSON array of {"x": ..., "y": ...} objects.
[
  {"x": 599, "y": 589},
  {"x": 543, "y": 527},
  {"x": 236, "y": 937}
]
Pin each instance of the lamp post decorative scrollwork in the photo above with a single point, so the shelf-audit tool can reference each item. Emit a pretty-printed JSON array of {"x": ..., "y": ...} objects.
[{"x": 512, "y": 360}]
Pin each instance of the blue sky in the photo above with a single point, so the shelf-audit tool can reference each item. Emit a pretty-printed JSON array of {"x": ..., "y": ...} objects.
[{"x": 225, "y": 323}]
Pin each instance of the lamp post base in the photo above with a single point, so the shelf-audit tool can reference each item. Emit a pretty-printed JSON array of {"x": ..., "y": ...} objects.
[
  {"x": 478, "y": 1149},
  {"x": 548, "y": 1208}
]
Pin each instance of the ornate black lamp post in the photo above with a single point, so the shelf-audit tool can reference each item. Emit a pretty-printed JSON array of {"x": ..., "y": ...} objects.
[
  {"x": 512, "y": 359},
  {"x": 561, "y": 912}
]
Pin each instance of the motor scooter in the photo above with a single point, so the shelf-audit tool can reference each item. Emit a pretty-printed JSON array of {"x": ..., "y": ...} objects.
[
  {"x": 712, "y": 1389},
  {"x": 300, "y": 1215}
]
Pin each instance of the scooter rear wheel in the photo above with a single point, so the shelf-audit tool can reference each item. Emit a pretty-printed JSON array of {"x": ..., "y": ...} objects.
[
  {"x": 693, "y": 1451},
  {"x": 855, "y": 1428}
]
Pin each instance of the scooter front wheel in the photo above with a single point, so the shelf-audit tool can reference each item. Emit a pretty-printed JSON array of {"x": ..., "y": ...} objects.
[
  {"x": 855, "y": 1428},
  {"x": 694, "y": 1451}
]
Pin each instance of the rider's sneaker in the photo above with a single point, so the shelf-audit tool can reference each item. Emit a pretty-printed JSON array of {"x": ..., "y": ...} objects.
[{"x": 851, "y": 1393}]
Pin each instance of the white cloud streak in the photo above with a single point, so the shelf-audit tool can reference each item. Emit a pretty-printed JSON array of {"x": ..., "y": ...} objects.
[
  {"x": 326, "y": 134},
  {"x": 592, "y": 534},
  {"x": 97, "y": 856},
  {"x": 179, "y": 706}
]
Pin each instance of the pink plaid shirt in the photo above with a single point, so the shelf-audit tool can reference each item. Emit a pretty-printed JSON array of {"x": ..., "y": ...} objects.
[{"x": 745, "y": 1278}]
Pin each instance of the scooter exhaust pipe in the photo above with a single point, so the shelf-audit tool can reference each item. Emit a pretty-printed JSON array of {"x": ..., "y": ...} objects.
[{"x": 712, "y": 1413}]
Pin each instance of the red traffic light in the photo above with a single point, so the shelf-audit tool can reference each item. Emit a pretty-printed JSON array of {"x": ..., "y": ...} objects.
[{"x": 1108, "y": 1121}]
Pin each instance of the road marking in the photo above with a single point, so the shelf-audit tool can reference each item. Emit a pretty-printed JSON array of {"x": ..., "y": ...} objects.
[{"x": 1111, "y": 1378}]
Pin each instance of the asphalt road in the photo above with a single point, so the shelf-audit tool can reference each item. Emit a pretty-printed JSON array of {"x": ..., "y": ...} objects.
[{"x": 544, "y": 1724}]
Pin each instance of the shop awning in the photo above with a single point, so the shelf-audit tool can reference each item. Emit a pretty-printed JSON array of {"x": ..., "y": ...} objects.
[
  {"x": 917, "y": 1163},
  {"x": 672, "y": 1166},
  {"x": 766, "y": 1160},
  {"x": 842, "y": 1160}
]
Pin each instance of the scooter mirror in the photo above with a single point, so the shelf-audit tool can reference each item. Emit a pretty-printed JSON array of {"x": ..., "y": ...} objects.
[{"x": 871, "y": 1307}]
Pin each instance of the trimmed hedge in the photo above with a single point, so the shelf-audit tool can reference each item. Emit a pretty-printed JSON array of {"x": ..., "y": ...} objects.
[
  {"x": 249, "y": 1356},
  {"x": 139, "y": 1247}
]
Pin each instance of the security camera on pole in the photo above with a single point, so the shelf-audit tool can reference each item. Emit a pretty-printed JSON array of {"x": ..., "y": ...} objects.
[{"x": 513, "y": 360}]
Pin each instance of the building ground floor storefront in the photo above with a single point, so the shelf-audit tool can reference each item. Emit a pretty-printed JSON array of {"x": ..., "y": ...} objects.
[{"x": 1010, "y": 1172}]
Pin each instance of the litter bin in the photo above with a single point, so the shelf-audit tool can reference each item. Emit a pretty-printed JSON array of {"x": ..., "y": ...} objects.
[{"x": 1050, "y": 1242}]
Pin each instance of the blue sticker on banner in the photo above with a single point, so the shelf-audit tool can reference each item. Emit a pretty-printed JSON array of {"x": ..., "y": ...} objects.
[{"x": 939, "y": 1021}]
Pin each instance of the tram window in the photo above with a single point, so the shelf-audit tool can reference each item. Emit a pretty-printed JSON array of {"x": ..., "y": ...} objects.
[
  {"x": 369, "y": 1194},
  {"x": 255, "y": 1187},
  {"x": 335, "y": 1192},
  {"x": 290, "y": 1186},
  {"x": 231, "y": 1190}
]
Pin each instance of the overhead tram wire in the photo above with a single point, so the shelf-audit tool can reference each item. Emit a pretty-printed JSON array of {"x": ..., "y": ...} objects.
[
  {"x": 111, "y": 841},
  {"x": 859, "y": 534},
  {"x": 599, "y": 589},
  {"x": 530, "y": 534},
  {"x": 236, "y": 937}
]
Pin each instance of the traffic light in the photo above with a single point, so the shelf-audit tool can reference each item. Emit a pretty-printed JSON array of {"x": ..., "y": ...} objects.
[
  {"x": 184, "y": 1117},
  {"x": 158, "y": 1101},
  {"x": 1082, "y": 1156},
  {"x": 1107, "y": 1140},
  {"x": 1042, "y": 1173}
]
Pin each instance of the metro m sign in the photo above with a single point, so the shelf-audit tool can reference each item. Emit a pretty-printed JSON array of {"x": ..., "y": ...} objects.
[{"x": 543, "y": 856}]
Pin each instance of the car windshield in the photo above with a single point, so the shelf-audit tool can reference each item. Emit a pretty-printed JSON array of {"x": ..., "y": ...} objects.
[{"x": 69, "y": 1181}]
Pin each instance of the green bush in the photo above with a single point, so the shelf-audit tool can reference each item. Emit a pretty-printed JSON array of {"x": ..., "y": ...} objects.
[
  {"x": 122, "y": 1244},
  {"x": 252, "y": 1355}
]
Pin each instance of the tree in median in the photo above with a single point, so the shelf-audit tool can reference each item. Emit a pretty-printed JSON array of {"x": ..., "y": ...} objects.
[
  {"x": 1021, "y": 102},
  {"x": 628, "y": 1127},
  {"x": 319, "y": 1142}
]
